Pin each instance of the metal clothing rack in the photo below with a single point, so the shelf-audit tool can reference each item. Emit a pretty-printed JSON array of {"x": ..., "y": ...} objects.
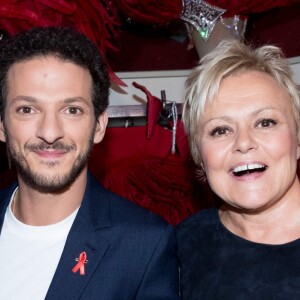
[{"x": 130, "y": 115}]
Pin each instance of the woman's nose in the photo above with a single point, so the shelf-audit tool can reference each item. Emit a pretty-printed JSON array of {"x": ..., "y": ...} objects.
[{"x": 244, "y": 141}]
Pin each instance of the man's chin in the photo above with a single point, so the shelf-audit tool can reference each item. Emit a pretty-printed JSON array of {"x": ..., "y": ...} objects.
[
  {"x": 56, "y": 178},
  {"x": 48, "y": 184},
  {"x": 55, "y": 182}
]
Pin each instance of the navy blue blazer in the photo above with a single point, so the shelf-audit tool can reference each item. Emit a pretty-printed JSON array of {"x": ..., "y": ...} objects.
[{"x": 130, "y": 251}]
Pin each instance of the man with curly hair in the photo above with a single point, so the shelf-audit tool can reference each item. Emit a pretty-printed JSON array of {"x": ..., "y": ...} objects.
[{"x": 63, "y": 236}]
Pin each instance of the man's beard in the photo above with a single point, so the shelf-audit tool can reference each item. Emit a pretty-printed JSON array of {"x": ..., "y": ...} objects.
[{"x": 48, "y": 183}]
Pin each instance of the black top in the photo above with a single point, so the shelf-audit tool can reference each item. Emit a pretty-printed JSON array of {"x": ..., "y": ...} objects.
[{"x": 216, "y": 264}]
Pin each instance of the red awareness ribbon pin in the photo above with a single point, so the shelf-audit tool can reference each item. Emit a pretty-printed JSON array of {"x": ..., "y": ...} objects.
[{"x": 80, "y": 265}]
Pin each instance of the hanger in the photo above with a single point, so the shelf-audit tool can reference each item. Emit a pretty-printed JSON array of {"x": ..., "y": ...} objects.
[
  {"x": 136, "y": 115},
  {"x": 166, "y": 113}
]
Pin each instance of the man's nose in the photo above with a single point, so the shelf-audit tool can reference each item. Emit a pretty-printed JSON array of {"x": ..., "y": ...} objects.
[{"x": 50, "y": 128}]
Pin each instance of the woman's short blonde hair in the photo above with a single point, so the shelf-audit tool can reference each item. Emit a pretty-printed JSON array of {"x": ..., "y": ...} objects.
[{"x": 229, "y": 57}]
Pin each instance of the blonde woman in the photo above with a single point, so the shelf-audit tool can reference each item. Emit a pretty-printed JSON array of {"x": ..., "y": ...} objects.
[{"x": 241, "y": 116}]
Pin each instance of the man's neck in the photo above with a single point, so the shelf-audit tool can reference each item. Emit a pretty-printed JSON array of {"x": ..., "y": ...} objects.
[{"x": 35, "y": 208}]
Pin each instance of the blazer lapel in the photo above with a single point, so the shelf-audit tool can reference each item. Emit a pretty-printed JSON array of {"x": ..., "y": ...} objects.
[
  {"x": 85, "y": 236},
  {"x": 5, "y": 196}
]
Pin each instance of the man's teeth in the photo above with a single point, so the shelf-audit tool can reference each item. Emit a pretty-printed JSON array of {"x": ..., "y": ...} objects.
[{"x": 248, "y": 167}]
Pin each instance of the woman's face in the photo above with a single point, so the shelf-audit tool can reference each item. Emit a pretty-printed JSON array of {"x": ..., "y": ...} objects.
[{"x": 248, "y": 142}]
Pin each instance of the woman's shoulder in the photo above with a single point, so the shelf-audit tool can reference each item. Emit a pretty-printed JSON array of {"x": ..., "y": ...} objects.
[
  {"x": 203, "y": 217},
  {"x": 203, "y": 221}
]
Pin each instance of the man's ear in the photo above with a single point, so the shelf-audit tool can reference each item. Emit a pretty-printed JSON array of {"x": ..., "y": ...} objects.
[
  {"x": 100, "y": 128},
  {"x": 2, "y": 134}
]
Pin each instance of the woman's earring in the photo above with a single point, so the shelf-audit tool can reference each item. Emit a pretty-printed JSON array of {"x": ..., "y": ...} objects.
[{"x": 200, "y": 173}]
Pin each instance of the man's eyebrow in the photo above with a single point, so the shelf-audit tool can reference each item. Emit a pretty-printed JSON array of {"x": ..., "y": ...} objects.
[
  {"x": 74, "y": 100},
  {"x": 30, "y": 99},
  {"x": 25, "y": 98}
]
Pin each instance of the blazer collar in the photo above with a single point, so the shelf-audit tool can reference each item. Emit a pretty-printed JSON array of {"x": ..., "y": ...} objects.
[
  {"x": 5, "y": 196},
  {"x": 84, "y": 236},
  {"x": 95, "y": 206}
]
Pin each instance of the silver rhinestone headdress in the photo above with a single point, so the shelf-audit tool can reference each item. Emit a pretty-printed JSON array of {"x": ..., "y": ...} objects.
[{"x": 201, "y": 15}]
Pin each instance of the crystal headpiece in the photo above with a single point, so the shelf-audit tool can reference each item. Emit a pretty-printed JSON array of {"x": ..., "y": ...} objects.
[{"x": 201, "y": 15}]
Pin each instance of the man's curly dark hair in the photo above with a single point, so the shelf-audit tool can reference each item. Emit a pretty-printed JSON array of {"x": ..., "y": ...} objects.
[{"x": 64, "y": 43}]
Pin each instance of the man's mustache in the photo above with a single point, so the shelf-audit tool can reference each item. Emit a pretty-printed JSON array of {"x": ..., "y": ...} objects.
[{"x": 42, "y": 146}]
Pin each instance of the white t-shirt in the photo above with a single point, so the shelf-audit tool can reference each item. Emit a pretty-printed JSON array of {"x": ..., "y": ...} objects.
[{"x": 29, "y": 256}]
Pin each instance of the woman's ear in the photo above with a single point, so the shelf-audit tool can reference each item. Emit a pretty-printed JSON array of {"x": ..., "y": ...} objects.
[{"x": 100, "y": 128}]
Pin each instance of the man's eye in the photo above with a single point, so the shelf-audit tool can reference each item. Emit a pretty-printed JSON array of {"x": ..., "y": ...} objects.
[
  {"x": 25, "y": 110},
  {"x": 265, "y": 123},
  {"x": 219, "y": 131},
  {"x": 74, "y": 110}
]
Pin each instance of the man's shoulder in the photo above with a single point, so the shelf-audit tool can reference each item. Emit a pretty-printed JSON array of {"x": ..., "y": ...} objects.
[
  {"x": 6, "y": 192},
  {"x": 5, "y": 195},
  {"x": 127, "y": 221},
  {"x": 124, "y": 211}
]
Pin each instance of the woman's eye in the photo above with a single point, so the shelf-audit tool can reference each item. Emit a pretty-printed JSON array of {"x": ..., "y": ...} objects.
[
  {"x": 265, "y": 123},
  {"x": 73, "y": 110},
  {"x": 219, "y": 131}
]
